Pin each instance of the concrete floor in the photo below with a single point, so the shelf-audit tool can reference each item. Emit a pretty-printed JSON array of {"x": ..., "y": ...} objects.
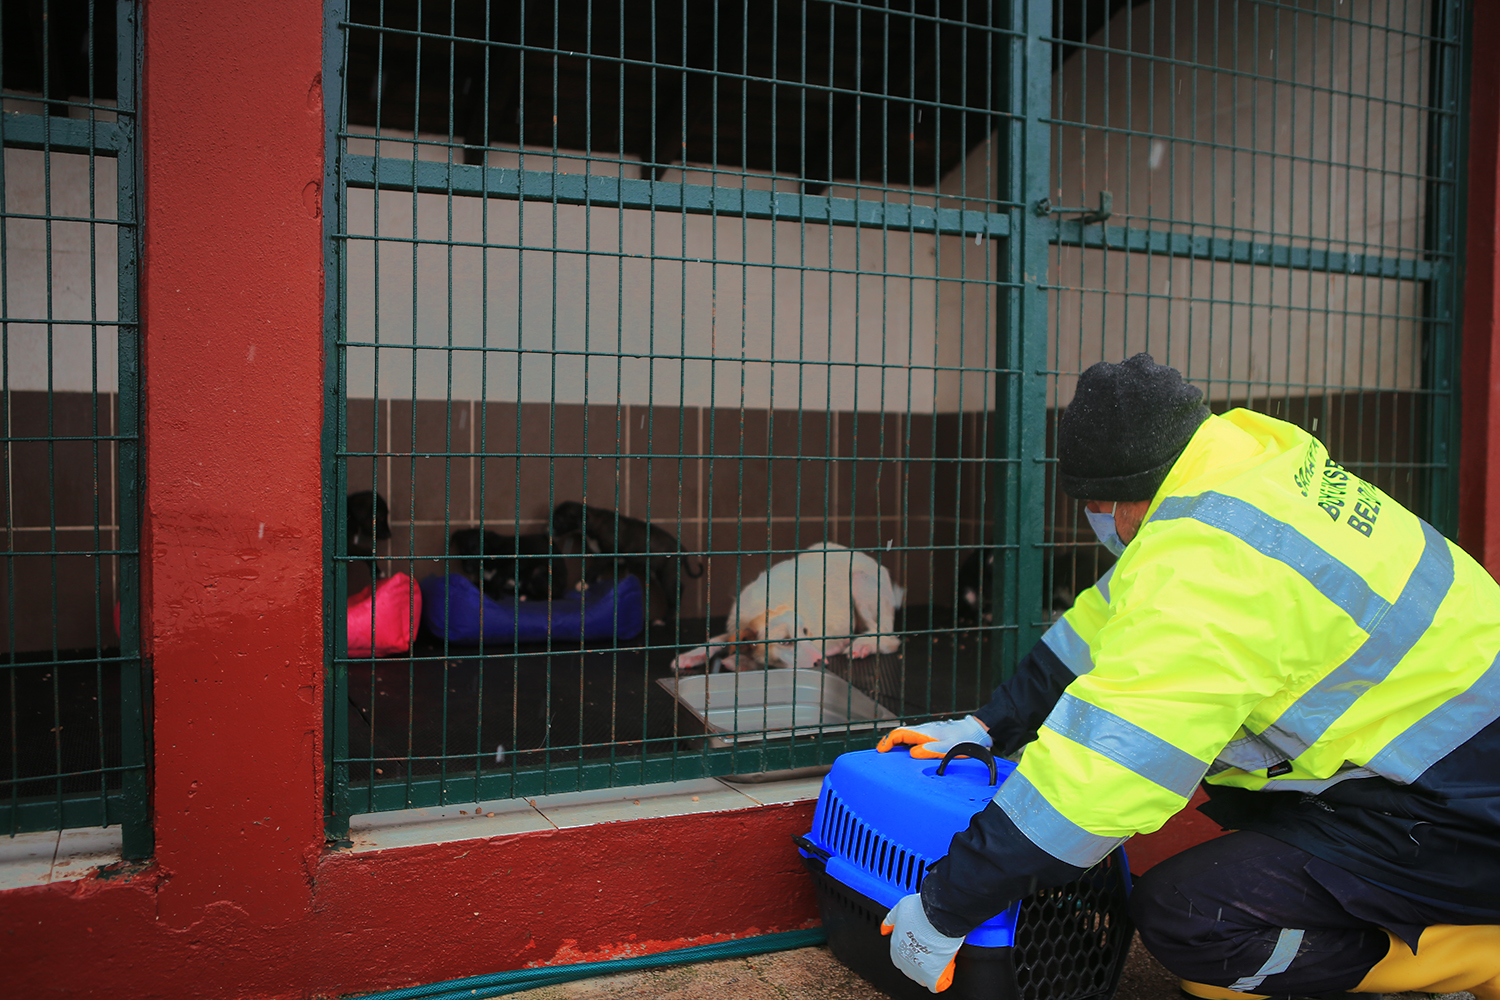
[{"x": 811, "y": 973}]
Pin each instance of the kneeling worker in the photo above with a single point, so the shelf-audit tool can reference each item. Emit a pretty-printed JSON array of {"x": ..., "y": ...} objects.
[{"x": 1321, "y": 657}]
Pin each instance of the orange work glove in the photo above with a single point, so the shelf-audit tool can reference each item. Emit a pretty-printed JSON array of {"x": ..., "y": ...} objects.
[{"x": 935, "y": 739}]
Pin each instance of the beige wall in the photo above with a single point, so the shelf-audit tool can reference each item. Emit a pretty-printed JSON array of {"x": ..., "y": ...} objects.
[
  {"x": 83, "y": 357},
  {"x": 736, "y": 294},
  {"x": 969, "y": 317},
  {"x": 1266, "y": 149},
  {"x": 1244, "y": 154},
  {"x": 770, "y": 314},
  {"x": 60, "y": 374}
]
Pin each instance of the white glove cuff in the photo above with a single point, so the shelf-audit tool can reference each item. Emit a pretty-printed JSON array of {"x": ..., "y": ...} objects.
[{"x": 980, "y": 735}]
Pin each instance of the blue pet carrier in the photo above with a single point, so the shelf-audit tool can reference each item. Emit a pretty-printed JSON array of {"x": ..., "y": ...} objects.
[{"x": 883, "y": 818}]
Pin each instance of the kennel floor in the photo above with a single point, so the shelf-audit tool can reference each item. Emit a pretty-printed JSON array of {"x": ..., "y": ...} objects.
[{"x": 449, "y": 710}]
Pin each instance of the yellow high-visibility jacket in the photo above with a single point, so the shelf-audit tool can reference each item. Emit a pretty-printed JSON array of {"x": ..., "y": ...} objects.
[{"x": 1277, "y": 624}]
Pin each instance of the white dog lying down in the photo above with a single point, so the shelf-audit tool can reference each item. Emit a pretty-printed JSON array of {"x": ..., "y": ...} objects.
[{"x": 804, "y": 609}]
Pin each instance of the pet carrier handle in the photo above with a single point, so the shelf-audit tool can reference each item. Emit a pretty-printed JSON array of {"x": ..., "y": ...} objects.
[
  {"x": 971, "y": 750},
  {"x": 807, "y": 845}
]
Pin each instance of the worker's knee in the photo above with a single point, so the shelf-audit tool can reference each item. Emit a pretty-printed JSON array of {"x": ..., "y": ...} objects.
[
  {"x": 1218, "y": 912},
  {"x": 1161, "y": 913},
  {"x": 1195, "y": 903}
]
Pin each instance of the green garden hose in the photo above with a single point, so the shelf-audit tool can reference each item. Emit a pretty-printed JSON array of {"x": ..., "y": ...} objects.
[{"x": 500, "y": 983}]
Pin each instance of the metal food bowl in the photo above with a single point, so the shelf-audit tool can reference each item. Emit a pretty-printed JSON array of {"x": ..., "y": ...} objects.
[{"x": 774, "y": 704}]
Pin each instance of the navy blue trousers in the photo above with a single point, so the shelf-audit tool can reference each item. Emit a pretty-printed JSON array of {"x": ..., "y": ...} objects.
[{"x": 1250, "y": 913}]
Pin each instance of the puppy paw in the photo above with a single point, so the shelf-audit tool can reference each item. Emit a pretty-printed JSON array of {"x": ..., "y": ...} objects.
[{"x": 692, "y": 658}]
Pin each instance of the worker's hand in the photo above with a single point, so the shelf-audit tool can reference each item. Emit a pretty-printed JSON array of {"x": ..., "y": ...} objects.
[
  {"x": 935, "y": 739},
  {"x": 917, "y": 947}
]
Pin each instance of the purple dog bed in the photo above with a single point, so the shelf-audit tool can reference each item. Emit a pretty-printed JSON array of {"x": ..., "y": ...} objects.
[{"x": 452, "y": 605}]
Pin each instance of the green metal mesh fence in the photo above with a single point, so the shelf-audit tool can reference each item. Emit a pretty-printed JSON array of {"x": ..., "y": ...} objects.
[
  {"x": 72, "y": 693},
  {"x": 774, "y": 273}
]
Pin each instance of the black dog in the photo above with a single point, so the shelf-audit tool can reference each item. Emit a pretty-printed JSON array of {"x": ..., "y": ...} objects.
[
  {"x": 503, "y": 565},
  {"x": 639, "y": 547},
  {"x": 977, "y": 586},
  {"x": 368, "y": 520}
]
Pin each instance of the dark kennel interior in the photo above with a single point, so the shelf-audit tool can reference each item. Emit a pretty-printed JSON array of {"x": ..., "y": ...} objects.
[{"x": 437, "y": 718}]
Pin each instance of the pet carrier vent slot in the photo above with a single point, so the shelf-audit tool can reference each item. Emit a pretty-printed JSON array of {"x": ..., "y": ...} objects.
[{"x": 861, "y": 845}]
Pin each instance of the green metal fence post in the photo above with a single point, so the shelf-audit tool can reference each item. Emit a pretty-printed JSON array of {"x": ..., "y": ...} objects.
[
  {"x": 1443, "y": 236},
  {"x": 1018, "y": 503},
  {"x": 335, "y": 437},
  {"x": 138, "y": 839}
]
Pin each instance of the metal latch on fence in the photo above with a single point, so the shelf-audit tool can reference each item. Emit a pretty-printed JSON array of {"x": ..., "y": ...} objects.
[{"x": 1085, "y": 215}]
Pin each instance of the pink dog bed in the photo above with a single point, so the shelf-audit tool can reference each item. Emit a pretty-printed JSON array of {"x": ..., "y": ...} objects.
[{"x": 397, "y": 604}]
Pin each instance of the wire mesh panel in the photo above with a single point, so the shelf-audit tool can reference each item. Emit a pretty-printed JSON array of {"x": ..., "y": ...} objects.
[
  {"x": 678, "y": 292},
  {"x": 638, "y": 305},
  {"x": 1284, "y": 187},
  {"x": 71, "y": 683}
]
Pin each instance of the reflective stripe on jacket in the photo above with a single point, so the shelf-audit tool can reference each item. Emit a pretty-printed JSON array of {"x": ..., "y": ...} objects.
[{"x": 1277, "y": 624}]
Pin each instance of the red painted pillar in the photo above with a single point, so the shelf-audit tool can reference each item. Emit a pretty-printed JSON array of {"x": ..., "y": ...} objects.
[
  {"x": 1479, "y": 455},
  {"x": 232, "y": 290}
]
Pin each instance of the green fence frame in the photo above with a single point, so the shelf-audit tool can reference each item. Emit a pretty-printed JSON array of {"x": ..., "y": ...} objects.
[{"x": 128, "y": 804}]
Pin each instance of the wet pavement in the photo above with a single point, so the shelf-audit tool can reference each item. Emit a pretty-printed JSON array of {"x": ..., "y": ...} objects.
[
  {"x": 814, "y": 974},
  {"x": 811, "y": 973}
]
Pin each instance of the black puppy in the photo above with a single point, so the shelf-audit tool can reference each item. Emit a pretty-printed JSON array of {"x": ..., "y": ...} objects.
[
  {"x": 976, "y": 585},
  {"x": 503, "y": 565},
  {"x": 1072, "y": 571},
  {"x": 640, "y": 547},
  {"x": 368, "y": 520}
]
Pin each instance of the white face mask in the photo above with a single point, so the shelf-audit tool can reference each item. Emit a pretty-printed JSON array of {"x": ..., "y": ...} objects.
[{"x": 1105, "y": 530}]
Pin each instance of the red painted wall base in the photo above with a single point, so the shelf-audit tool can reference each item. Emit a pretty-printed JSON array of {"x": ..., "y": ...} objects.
[
  {"x": 1187, "y": 829},
  {"x": 407, "y": 916},
  {"x": 402, "y": 917}
]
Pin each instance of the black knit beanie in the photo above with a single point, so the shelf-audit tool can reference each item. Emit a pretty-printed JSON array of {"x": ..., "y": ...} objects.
[{"x": 1126, "y": 425}]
